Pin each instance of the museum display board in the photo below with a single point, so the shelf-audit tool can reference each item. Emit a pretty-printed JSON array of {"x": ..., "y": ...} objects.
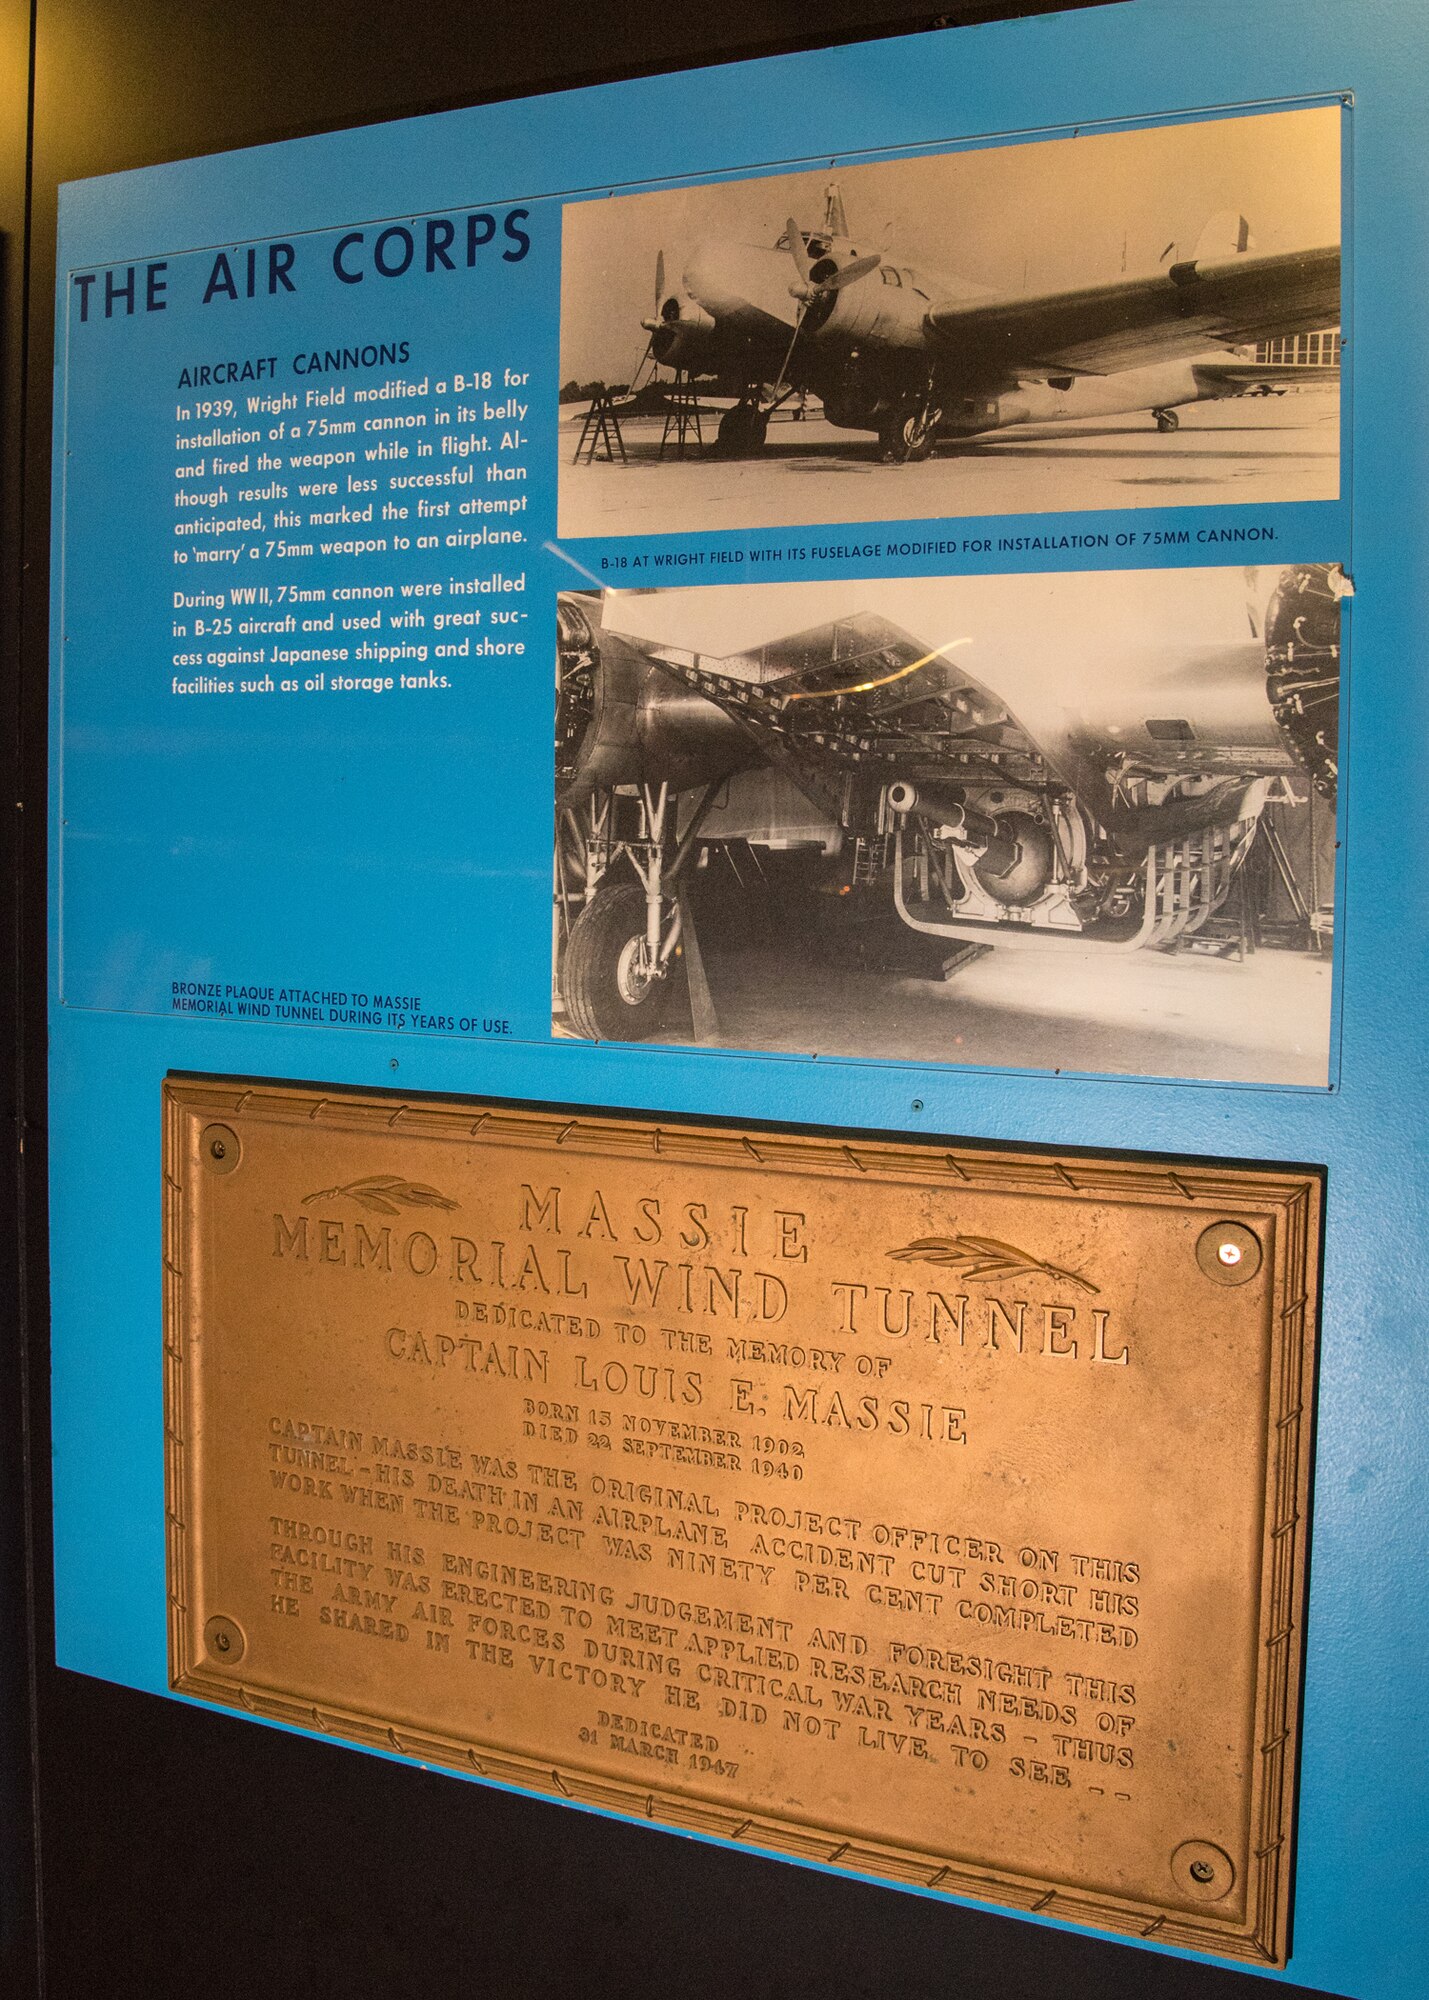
[{"x": 722, "y": 866}]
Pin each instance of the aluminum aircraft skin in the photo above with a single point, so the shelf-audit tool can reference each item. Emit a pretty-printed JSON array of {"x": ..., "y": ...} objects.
[
  {"x": 915, "y": 358},
  {"x": 1104, "y": 799}
]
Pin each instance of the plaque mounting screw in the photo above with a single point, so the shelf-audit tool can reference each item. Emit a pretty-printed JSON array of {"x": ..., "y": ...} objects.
[
  {"x": 1229, "y": 1253},
  {"x": 219, "y": 1149},
  {"x": 225, "y": 1641},
  {"x": 1202, "y": 1870}
]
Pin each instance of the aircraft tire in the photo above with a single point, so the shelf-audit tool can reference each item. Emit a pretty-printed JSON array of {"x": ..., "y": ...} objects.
[
  {"x": 908, "y": 439},
  {"x": 742, "y": 432},
  {"x": 606, "y": 1000},
  {"x": 1166, "y": 420}
]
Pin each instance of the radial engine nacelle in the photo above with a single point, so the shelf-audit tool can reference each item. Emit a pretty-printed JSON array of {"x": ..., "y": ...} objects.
[
  {"x": 684, "y": 336},
  {"x": 621, "y": 720}
]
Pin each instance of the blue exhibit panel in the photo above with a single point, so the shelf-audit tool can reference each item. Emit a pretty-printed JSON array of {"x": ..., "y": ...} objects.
[
  {"x": 303, "y": 712},
  {"x": 292, "y": 846}
]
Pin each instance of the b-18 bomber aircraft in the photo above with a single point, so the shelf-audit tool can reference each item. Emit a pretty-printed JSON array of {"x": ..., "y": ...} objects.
[
  {"x": 1093, "y": 787},
  {"x": 915, "y": 357}
]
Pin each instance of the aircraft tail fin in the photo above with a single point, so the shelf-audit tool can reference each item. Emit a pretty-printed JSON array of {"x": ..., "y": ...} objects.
[
  {"x": 1227, "y": 234},
  {"x": 835, "y": 221}
]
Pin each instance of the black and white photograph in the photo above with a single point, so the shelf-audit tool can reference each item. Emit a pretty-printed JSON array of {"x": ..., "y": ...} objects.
[
  {"x": 1077, "y": 822},
  {"x": 1136, "y": 318}
]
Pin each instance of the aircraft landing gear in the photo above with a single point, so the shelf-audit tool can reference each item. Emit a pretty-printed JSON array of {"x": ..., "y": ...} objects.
[
  {"x": 742, "y": 431},
  {"x": 1166, "y": 420},
  {"x": 614, "y": 989},
  {"x": 908, "y": 438},
  {"x": 618, "y": 943}
]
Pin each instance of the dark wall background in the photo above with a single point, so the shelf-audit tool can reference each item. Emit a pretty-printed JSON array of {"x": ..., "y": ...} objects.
[
  {"x": 17, "y": 1876},
  {"x": 186, "y": 1853}
]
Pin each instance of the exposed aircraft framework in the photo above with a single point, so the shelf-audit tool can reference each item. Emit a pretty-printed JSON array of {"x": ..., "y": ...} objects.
[{"x": 925, "y": 793}]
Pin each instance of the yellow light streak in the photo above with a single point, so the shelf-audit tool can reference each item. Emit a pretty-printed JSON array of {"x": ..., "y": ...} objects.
[{"x": 866, "y": 687}]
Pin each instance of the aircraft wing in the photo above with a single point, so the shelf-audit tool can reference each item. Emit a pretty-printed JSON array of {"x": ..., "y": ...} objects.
[
  {"x": 1132, "y": 322},
  {"x": 1267, "y": 374}
]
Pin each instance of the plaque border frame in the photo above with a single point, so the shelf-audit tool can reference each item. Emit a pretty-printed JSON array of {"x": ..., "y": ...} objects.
[{"x": 1294, "y": 1195}]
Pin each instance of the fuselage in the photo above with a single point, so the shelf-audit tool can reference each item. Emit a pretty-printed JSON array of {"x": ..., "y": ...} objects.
[{"x": 1163, "y": 386}]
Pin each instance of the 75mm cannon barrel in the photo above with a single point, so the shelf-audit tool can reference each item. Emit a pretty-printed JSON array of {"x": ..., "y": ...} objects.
[{"x": 1001, "y": 841}]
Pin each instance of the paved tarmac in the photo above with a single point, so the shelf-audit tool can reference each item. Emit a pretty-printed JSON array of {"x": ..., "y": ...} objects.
[{"x": 1253, "y": 449}]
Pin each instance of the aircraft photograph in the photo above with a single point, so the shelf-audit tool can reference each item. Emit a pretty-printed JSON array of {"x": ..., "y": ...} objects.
[
  {"x": 1139, "y": 317},
  {"x": 1081, "y": 822}
]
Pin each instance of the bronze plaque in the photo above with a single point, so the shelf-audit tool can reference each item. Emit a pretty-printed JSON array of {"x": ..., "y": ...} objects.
[{"x": 935, "y": 1514}]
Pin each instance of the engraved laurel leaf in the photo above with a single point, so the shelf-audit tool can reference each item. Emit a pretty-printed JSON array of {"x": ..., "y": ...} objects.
[
  {"x": 384, "y": 1194},
  {"x": 984, "y": 1257}
]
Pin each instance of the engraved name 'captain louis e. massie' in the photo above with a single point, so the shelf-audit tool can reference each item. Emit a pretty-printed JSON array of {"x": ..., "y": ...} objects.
[{"x": 932, "y": 1513}]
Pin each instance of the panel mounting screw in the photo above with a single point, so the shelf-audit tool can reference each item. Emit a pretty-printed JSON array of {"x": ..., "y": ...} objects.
[
  {"x": 1229, "y": 1253},
  {"x": 1203, "y": 1870},
  {"x": 219, "y": 1148},
  {"x": 225, "y": 1641}
]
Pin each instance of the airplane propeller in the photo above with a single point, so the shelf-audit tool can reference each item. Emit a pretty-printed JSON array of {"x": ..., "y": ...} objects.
[
  {"x": 793, "y": 236},
  {"x": 808, "y": 288},
  {"x": 654, "y": 323}
]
